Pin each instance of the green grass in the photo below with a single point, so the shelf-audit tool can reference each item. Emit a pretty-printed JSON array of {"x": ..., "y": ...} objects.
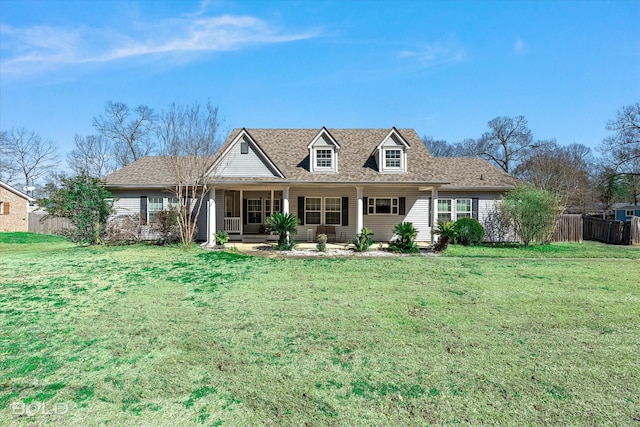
[
  {"x": 586, "y": 249},
  {"x": 146, "y": 335}
]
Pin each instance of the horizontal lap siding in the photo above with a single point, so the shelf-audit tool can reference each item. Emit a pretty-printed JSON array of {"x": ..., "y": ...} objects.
[
  {"x": 348, "y": 230},
  {"x": 416, "y": 213}
]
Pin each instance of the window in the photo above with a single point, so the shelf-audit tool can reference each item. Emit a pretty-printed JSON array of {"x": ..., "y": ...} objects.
[
  {"x": 383, "y": 206},
  {"x": 2, "y": 208},
  {"x": 172, "y": 203},
  {"x": 393, "y": 159},
  {"x": 154, "y": 206},
  {"x": 254, "y": 211},
  {"x": 629, "y": 213},
  {"x": 244, "y": 147},
  {"x": 463, "y": 208},
  {"x": 267, "y": 206},
  {"x": 444, "y": 210},
  {"x": 312, "y": 210},
  {"x": 323, "y": 159},
  {"x": 332, "y": 210}
]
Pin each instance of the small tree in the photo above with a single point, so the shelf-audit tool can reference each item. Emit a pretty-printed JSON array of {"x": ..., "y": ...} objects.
[
  {"x": 86, "y": 203},
  {"x": 469, "y": 232},
  {"x": 533, "y": 213},
  {"x": 285, "y": 225}
]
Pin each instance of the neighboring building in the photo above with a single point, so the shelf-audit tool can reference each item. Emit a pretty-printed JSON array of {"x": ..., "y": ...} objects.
[
  {"x": 342, "y": 178},
  {"x": 625, "y": 212},
  {"x": 14, "y": 209}
]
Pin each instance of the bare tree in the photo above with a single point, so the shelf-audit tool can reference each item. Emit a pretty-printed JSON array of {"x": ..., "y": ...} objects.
[
  {"x": 188, "y": 140},
  {"x": 505, "y": 144},
  {"x": 8, "y": 169},
  {"x": 32, "y": 156},
  {"x": 442, "y": 148},
  {"x": 563, "y": 170},
  {"x": 622, "y": 149},
  {"x": 129, "y": 130},
  {"x": 91, "y": 156}
]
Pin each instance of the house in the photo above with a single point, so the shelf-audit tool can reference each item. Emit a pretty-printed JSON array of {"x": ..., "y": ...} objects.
[
  {"x": 344, "y": 179},
  {"x": 625, "y": 212},
  {"x": 14, "y": 209}
]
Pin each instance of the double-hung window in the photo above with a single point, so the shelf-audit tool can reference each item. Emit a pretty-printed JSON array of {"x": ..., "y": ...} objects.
[
  {"x": 154, "y": 206},
  {"x": 463, "y": 208},
  {"x": 254, "y": 211},
  {"x": 444, "y": 210},
  {"x": 393, "y": 159},
  {"x": 383, "y": 206},
  {"x": 324, "y": 158},
  {"x": 312, "y": 210},
  {"x": 267, "y": 207},
  {"x": 332, "y": 210}
]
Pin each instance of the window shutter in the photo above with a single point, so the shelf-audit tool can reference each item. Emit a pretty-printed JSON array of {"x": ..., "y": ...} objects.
[
  {"x": 301, "y": 209},
  {"x": 345, "y": 211},
  {"x": 402, "y": 202},
  {"x": 244, "y": 211},
  {"x": 365, "y": 202},
  {"x": 430, "y": 212},
  {"x": 474, "y": 208},
  {"x": 143, "y": 210}
]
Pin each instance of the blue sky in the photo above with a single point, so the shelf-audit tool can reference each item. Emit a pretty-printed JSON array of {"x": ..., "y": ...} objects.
[{"x": 442, "y": 68}]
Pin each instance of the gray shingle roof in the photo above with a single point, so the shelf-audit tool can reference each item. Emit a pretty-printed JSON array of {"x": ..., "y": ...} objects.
[{"x": 287, "y": 149}]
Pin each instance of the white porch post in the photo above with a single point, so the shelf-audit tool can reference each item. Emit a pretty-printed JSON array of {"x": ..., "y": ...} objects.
[
  {"x": 360, "y": 210},
  {"x": 241, "y": 213},
  {"x": 211, "y": 223},
  {"x": 434, "y": 212},
  {"x": 285, "y": 200}
]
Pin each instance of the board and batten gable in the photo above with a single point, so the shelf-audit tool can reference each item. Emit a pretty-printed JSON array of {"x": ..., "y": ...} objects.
[{"x": 243, "y": 158}]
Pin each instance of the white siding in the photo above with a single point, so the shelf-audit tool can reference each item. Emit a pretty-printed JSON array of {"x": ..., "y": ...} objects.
[
  {"x": 234, "y": 163},
  {"x": 348, "y": 230}
]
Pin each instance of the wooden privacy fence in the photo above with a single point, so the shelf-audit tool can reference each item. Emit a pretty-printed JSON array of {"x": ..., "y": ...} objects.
[
  {"x": 569, "y": 229},
  {"x": 608, "y": 231},
  {"x": 38, "y": 223},
  {"x": 635, "y": 230}
]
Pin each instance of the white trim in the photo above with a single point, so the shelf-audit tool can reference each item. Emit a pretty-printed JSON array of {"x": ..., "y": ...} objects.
[
  {"x": 391, "y": 205},
  {"x": 360, "y": 210},
  {"x": 16, "y": 192}
]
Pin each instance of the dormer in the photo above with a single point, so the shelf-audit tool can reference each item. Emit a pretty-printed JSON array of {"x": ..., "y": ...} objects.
[
  {"x": 392, "y": 153},
  {"x": 323, "y": 153}
]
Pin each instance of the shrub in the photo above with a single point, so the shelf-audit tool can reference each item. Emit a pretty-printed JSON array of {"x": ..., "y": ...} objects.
[
  {"x": 322, "y": 242},
  {"x": 404, "y": 239},
  {"x": 363, "y": 240},
  {"x": 447, "y": 232},
  {"x": 469, "y": 232},
  {"x": 533, "y": 212},
  {"x": 284, "y": 225},
  {"x": 124, "y": 229},
  {"x": 167, "y": 225},
  {"x": 222, "y": 237}
]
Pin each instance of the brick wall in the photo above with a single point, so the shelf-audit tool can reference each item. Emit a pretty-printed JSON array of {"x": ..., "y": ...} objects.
[{"x": 16, "y": 219}]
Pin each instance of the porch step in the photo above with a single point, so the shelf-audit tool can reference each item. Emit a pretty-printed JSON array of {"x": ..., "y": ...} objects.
[{"x": 259, "y": 238}]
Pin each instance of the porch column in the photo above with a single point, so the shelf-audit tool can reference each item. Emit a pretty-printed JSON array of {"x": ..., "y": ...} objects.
[
  {"x": 285, "y": 200},
  {"x": 241, "y": 213},
  {"x": 211, "y": 210},
  {"x": 271, "y": 205},
  {"x": 434, "y": 212},
  {"x": 360, "y": 211}
]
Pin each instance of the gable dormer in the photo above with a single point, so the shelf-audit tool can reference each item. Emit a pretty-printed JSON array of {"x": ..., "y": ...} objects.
[
  {"x": 323, "y": 153},
  {"x": 392, "y": 153}
]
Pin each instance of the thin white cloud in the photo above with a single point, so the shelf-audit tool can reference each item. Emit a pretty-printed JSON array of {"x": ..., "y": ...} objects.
[
  {"x": 38, "y": 49},
  {"x": 436, "y": 53},
  {"x": 518, "y": 46}
]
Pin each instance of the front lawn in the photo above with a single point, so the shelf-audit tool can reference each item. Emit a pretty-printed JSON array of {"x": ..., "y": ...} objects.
[{"x": 145, "y": 335}]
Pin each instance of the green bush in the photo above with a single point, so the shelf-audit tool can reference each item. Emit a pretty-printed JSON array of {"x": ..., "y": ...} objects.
[
  {"x": 222, "y": 237},
  {"x": 167, "y": 225},
  {"x": 533, "y": 213},
  {"x": 285, "y": 225},
  {"x": 469, "y": 232},
  {"x": 404, "y": 240},
  {"x": 363, "y": 240}
]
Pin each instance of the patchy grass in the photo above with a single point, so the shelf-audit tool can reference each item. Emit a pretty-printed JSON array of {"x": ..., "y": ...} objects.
[
  {"x": 586, "y": 249},
  {"x": 144, "y": 335}
]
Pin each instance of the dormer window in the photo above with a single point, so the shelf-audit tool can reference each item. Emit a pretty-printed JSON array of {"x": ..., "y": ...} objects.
[
  {"x": 392, "y": 153},
  {"x": 323, "y": 153},
  {"x": 323, "y": 158}
]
